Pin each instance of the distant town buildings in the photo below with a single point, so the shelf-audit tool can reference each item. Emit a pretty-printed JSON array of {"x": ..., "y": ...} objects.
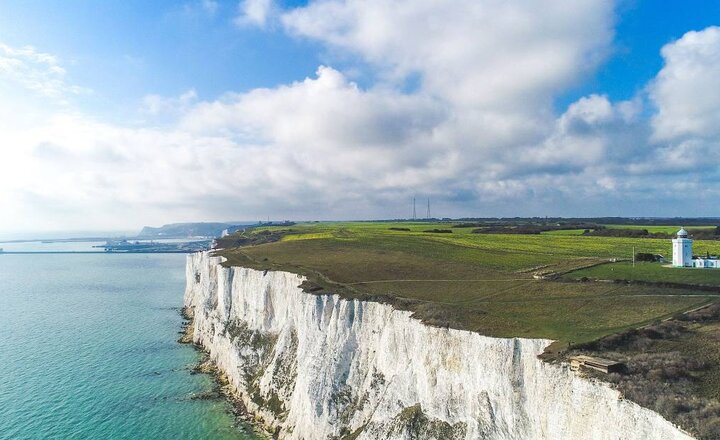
[{"x": 683, "y": 255}]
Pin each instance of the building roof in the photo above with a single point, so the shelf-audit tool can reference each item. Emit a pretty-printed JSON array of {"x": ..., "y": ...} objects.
[{"x": 682, "y": 233}]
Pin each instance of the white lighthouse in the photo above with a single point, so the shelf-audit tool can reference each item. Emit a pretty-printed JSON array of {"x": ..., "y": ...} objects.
[{"x": 682, "y": 250}]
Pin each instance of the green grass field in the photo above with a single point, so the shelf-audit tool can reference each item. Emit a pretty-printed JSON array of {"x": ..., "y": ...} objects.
[
  {"x": 650, "y": 272},
  {"x": 480, "y": 282}
]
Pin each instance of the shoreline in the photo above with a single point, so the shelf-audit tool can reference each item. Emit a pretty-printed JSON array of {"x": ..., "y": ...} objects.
[{"x": 222, "y": 388}]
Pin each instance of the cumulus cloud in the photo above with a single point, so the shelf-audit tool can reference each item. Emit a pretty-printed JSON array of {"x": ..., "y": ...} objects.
[
  {"x": 317, "y": 145},
  {"x": 672, "y": 156},
  {"x": 495, "y": 67},
  {"x": 683, "y": 141},
  {"x": 327, "y": 112},
  {"x": 593, "y": 132},
  {"x": 479, "y": 134},
  {"x": 686, "y": 92},
  {"x": 485, "y": 53},
  {"x": 326, "y": 145}
]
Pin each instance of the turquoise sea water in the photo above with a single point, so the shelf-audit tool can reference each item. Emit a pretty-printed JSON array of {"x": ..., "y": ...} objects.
[{"x": 88, "y": 351}]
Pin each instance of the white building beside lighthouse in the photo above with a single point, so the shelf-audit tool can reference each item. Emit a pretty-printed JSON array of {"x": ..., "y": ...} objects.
[
  {"x": 682, "y": 250},
  {"x": 683, "y": 255}
]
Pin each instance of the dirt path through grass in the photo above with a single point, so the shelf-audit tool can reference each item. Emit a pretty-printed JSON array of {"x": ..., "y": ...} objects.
[{"x": 440, "y": 281}]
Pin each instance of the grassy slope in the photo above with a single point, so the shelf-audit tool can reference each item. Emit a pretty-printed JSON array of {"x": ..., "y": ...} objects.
[{"x": 475, "y": 281}]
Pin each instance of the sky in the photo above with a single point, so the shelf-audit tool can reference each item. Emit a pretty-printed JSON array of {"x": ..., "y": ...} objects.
[{"x": 119, "y": 114}]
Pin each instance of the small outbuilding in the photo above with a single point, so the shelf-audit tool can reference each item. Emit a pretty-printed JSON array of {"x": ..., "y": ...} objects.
[{"x": 596, "y": 363}]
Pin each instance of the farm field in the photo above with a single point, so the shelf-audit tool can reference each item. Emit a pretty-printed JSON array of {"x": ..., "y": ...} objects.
[{"x": 479, "y": 282}]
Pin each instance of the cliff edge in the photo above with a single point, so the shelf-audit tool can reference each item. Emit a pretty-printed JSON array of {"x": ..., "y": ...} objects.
[{"x": 321, "y": 367}]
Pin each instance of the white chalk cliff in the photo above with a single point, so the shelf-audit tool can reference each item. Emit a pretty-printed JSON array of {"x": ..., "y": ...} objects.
[{"x": 322, "y": 367}]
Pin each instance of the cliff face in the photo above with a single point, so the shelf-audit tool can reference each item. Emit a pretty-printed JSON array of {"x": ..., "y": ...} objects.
[{"x": 321, "y": 367}]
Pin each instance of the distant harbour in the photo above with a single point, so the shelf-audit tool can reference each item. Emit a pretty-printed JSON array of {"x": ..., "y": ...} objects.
[{"x": 107, "y": 245}]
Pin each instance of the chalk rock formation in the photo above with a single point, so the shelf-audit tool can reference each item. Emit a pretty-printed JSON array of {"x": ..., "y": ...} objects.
[{"x": 322, "y": 367}]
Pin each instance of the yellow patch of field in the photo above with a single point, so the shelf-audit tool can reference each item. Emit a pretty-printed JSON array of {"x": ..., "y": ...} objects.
[{"x": 307, "y": 236}]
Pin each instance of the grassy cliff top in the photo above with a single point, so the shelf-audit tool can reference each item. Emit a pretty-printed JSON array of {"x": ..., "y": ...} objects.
[
  {"x": 484, "y": 282},
  {"x": 488, "y": 282}
]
